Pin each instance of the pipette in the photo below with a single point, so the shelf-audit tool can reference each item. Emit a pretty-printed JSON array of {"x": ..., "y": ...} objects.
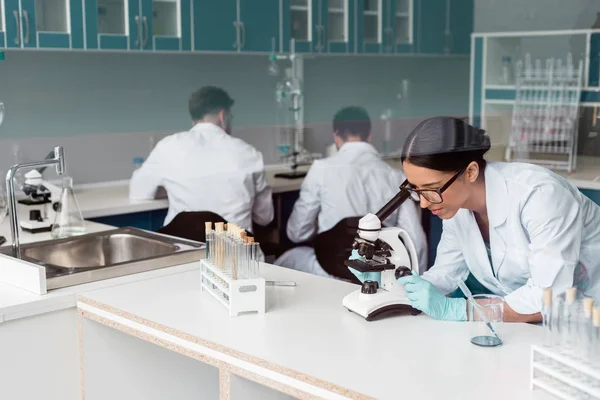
[{"x": 469, "y": 296}]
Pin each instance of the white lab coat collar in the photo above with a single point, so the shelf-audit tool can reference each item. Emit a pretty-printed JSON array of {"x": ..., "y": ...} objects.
[
  {"x": 496, "y": 196},
  {"x": 497, "y": 203},
  {"x": 209, "y": 130},
  {"x": 357, "y": 147}
]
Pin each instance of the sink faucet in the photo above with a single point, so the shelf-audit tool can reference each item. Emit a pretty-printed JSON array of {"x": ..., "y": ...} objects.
[{"x": 57, "y": 158}]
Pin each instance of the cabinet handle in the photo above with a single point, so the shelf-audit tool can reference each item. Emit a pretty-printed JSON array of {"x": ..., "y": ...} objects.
[
  {"x": 319, "y": 37},
  {"x": 243, "y": 34},
  {"x": 236, "y": 25},
  {"x": 26, "y": 18},
  {"x": 147, "y": 32},
  {"x": 139, "y": 31},
  {"x": 18, "y": 22}
]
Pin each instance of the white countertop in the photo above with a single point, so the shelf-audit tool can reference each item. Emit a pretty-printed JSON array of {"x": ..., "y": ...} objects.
[
  {"x": 112, "y": 198},
  {"x": 306, "y": 332},
  {"x": 16, "y": 303}
]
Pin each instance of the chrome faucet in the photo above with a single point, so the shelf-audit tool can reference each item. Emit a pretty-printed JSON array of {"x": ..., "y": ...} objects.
[{"x": 56, "y": 158}]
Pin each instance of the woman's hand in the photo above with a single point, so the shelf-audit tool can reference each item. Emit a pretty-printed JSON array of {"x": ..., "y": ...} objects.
[{"x": 425, "y": 297}]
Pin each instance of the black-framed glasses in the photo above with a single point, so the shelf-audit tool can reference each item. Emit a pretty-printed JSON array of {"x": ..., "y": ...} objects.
[{"x": 434, "y": 196}]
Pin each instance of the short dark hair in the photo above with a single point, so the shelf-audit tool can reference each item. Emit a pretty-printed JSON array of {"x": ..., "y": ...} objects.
[
  {"x": 208, "y": 100},
  {"x": 352, "y": 121},
  {"x": 445, "y": 144}
]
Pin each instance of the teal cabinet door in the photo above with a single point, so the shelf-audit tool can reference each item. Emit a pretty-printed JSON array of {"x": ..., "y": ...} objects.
[
  {"x": 338, "y": 25},
  {"x": 113, "y": 24},
  {"x": 301, "y": 21},
  {"x": 215, "y": 25},
  {"x": 12, "y": 19},
  {"x": 259, "y": 25},
  {"x": 28, "y": 24},
  {"x": 166, "y": 25},
  {"x": 53, "y": 25},
  {"x": 371, "y": 26},
  {"x": 461, "y": 26},
  {"x": 404, "y": 17},
  {"x": 432, "y": 35}
]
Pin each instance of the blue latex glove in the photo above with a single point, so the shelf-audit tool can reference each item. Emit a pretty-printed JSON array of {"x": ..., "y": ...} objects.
[
  {"x": 425, "y": 297},
  {"x": 364, "y": 276}
]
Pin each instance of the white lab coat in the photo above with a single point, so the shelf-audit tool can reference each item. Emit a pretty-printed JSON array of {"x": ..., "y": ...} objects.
[
  {"x": 205, "y": 169},
  {"x": 543, "y": 233},
  {"x": 351, "y": 183}
]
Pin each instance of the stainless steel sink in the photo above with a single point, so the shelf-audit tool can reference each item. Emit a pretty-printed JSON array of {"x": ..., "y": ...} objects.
[{"x": 107, "y": 254}]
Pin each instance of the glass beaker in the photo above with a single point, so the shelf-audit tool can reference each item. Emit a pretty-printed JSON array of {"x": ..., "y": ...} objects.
[
  {"x": 492, "y": 307},
  {"x": 68, "y": 221}
]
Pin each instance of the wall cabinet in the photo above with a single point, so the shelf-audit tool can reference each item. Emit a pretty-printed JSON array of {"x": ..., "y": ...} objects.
[
  {"x": 317, "y": 26},
  {"x": 42, "y": 23},
  {"x": 138, "y": 25},
  {"x": 230, "y": 25},
  {"x": 414, "y": 26}
]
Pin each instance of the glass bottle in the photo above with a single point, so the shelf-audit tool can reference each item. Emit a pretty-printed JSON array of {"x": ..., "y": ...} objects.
[{"x": 69, "y": 220}]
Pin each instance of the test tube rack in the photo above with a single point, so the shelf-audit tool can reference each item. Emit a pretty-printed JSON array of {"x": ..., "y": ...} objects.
[
  {"x": 237, "y": 295},
  {"x": 563, "y": 375}
]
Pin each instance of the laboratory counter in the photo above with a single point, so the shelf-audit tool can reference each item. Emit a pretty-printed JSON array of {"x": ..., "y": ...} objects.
[
  {"x": 112, "y": 198},
  {"x": 18, "y": 303},
  {"x": 306, "y": 345}
]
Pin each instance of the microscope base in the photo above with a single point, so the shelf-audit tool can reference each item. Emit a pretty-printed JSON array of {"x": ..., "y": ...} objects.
[{"x": 378, "y": 305}]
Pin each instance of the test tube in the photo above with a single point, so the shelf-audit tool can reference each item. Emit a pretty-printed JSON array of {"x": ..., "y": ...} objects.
[
  {"x": 585, "y": 329},
  {"x": 547, "y": 318},
  {"x": 596, "y": 336},
  {"x": 255, "y": 262},
  {"x": 220, "y": 251},
  {"x": 209, "y": 239},
  {"x": 570, "y": 320}
]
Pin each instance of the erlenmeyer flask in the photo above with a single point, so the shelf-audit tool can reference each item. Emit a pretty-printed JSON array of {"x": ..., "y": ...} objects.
[{"x": 68, "y": 221}]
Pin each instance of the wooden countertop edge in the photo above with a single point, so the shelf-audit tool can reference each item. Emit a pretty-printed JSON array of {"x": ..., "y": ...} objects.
[{"x": 308, "y": 379}]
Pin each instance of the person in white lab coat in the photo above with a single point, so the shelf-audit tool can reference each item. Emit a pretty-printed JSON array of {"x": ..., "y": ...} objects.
[
  {"x": 206, "y": 169},
  {"x": 517, "y": 228},
  {"x": 353, "y": 182}
]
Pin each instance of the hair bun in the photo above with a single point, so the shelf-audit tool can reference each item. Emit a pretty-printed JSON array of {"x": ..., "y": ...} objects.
[{"x": 482, "y": 140}]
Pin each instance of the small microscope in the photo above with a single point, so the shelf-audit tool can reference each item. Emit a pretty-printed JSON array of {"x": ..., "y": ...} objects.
[
  {"x": 42, "y": 202},
  {"x": 389, "y": 251}
]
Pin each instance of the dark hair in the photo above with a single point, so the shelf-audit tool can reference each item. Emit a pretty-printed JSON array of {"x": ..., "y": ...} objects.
[
  {"x": 352, "y": 121},
  {"x": 208, "y": 100},
  {"x": 445, "y": 144}
]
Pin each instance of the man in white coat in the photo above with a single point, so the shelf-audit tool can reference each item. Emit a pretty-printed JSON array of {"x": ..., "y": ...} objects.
[
  {"x": 206, "y": 169},
  {"x": 353, "y": 182}
]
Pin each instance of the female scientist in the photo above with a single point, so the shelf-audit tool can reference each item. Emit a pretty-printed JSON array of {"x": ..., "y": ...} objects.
[{"x": 517, "y": 228}]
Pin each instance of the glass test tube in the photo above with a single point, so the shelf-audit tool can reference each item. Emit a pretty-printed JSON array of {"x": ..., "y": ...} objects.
[
  {"x": 209, "y": 239},
  {"x": 558, "y": 304},
  {"x": 596, "y": 336},
  {"x": 547, "y": 318},
  {"x": 585, "y": 330},
  {"x": 570, "y": 320},
  {"x": 255, "y": 262},
  {"x": 219, "y": 245}
]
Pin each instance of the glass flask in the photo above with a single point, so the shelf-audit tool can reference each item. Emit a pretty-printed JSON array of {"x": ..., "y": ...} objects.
[{"x": 68, "y": 221}]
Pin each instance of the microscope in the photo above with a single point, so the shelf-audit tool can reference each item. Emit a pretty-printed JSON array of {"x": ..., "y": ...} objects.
[
  {"x": 42, "y": 202},
  {"x": 389, "y": 251}
]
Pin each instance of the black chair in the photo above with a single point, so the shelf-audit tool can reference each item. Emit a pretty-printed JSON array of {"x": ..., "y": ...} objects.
[
  {"x": 191, "y": 225},
  {"x": 334, "y": 246}
]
